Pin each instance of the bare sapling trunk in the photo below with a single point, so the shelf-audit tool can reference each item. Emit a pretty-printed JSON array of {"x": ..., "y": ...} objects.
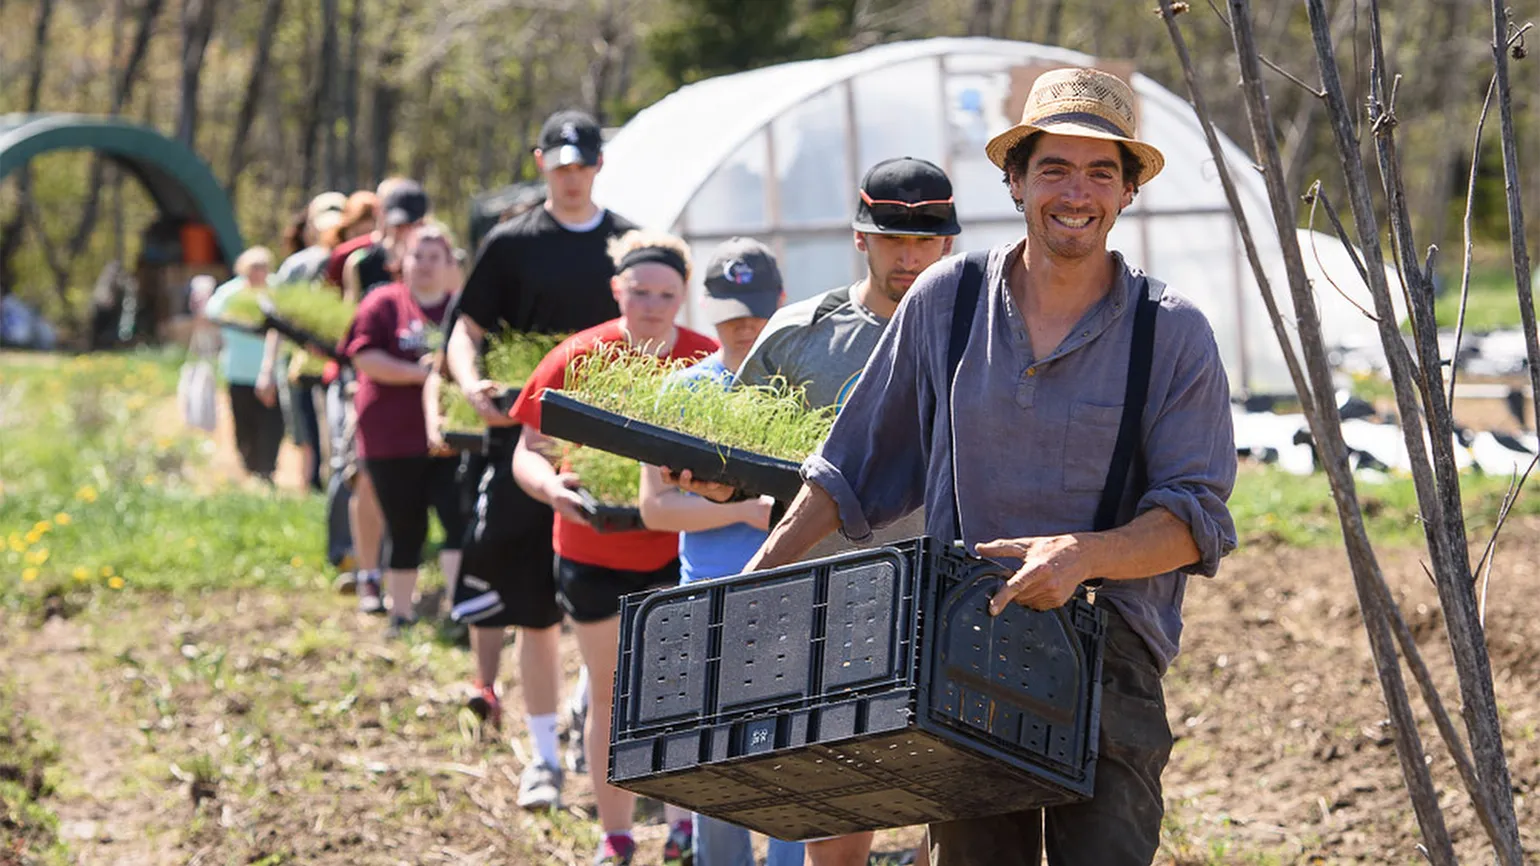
[{"x": 1383, "y": 621}]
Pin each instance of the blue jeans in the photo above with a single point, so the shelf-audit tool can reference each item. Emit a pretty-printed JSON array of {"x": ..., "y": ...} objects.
[{"x": 718, "y": 843}]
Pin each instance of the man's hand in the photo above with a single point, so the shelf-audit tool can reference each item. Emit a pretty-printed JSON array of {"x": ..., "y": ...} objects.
[
  {"x": 1051, "y": 568},
  {"x": 685, "y": 480},
  {"x": 561, "y": 491},
  {"x": 481, "y": 397}
]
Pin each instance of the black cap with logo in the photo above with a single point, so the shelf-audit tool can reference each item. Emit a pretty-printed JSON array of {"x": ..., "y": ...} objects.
[
  {"x": 570, "y": 137},
  {"x": 906, "y": 196},
  {"x": 405, "y": 203},
  {"x": 742, "y": 279}
]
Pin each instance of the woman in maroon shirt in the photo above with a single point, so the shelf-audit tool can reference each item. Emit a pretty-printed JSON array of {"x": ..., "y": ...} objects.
[{"x": 391, "y": 345}]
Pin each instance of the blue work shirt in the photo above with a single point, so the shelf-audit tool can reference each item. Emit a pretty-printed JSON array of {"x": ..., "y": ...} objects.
[{"x": 1036, "y": 435}]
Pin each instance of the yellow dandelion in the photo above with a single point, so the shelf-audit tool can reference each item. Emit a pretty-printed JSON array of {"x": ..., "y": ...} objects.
[
  {"x": 297, "y": 561},
  {"x": 34, "y": 537},
  {"x": 28, "y": 575},
  {"x": 115, "y": 582},
  {"x": 62, "y": 518},
  {"x": 86, "y": 494},
  {"x": 81, "y": 573},
  {"x": 17, "y": 543},
  {"x": 191, "y": 543},
  {"x": 149, "y": 479},
  {"x": 107, "y": 571},
  {"x": 42, "y": 526},
  {"x": 163, "y": 442},
  {"x": 36, "y": 557}
]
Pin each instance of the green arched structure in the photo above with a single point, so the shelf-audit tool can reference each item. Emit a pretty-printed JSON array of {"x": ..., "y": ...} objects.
[{"x": 177, "y": 179}]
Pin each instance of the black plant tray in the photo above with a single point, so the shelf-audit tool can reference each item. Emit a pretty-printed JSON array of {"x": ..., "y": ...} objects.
[
  {"x": 243, "y": 327},
  {"x": 751, "y": 474},
  {"x": 304, "y": 338},
  {"x": 466, "y": 441},
  {"x": 610, "y": 518}
]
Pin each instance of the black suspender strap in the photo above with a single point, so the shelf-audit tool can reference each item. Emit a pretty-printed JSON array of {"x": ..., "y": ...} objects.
[
  {"x": 969, "y": 286},
  {"x": 1127, "y": 453}
]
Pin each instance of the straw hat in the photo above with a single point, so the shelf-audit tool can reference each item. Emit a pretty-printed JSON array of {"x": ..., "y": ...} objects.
[{"x": 1083, "y": 102}]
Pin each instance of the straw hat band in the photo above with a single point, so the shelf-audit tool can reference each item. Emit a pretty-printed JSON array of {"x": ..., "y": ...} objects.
[{"x": 1082, "y": 118}]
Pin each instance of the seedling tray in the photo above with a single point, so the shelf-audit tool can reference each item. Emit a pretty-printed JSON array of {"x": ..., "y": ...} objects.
[
  {"x": 856, "y": 692},
  {"x": 299, "y": 335},
  {"x": 466, "y": 441},
  {"x": 243, "y": 327},
  {"x": 606, "y": 518},
  {"x": 752, "y": 474}
]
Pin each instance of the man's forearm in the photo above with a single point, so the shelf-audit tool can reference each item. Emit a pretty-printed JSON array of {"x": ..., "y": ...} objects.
[
  {"x": 1155, "y": 542},
  {"x": 461, "y": 353},
  {"x": 810, "y": 519}
]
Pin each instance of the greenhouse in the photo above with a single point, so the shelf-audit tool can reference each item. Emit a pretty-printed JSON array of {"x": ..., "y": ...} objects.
[{"x": 777, "y": 154}]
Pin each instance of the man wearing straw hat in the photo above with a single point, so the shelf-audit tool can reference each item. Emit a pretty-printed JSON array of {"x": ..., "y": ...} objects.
[{"x": 1005, "y": 384}]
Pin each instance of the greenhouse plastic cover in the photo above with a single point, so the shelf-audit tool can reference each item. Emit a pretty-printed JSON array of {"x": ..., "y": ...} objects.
[{"x": 697, "y": 162}]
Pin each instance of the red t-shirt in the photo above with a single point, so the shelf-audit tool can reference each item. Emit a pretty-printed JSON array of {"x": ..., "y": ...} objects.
[
  {"x": 643, "y": 550},
  {"x": 339, "y": 256},
  {"x": 391, "y": 422}
]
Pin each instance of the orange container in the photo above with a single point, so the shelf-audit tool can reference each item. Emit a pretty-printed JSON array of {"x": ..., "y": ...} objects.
[{"x": 199, "y": 246}]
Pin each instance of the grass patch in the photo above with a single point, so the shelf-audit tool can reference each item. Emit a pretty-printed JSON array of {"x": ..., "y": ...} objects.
[
  {"x": 1493, "y": 304},
  {"x": 1272, "y": 506},
  {"x": 771, "y": 420},
  {"x": 29, "y": 831},
  {"x": 97, "y": 498}
]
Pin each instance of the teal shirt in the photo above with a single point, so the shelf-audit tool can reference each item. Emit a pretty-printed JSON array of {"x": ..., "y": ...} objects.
[{"x": 241, "y": 359}]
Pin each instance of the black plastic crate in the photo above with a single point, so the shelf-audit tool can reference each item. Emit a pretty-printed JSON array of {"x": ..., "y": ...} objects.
[
  {"x": 856, "y": 692},
  {"x": 464, "y": 441},
  {"x": 753, "y": 474}
]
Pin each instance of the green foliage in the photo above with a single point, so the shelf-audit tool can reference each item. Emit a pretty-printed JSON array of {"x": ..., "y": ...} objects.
[
  {"x": 773, "y": 421},
  {"x": 703, "y": 38},
  {"x": 1493, "y": 303},
  {"x": 511, "y": 357},
  {"x": 99, "y": 498},
  {"x": 1272, "y": 506},
  {"x": 612, "y": 479},
  {"x": 457, "y": 413},
  {"x": 244, "y": 308},
  {"x": 315, "y": 307}
]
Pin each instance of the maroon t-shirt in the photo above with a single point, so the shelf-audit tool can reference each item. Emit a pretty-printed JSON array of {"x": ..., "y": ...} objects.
[{"x": 391, "y": 422}]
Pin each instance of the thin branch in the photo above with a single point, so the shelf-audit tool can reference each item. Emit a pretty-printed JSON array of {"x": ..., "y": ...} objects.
[
  {"x": 1342, "y": 235},
  {"x": 1470, "y": 202},
  {"x": 1312, "y": 197},
  {"x": 1509, "y": 500},
  {"x": 1317, "y": 92}
]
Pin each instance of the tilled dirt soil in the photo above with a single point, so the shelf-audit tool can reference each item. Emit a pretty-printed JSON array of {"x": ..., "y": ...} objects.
[{"x": 269, "y": 727}]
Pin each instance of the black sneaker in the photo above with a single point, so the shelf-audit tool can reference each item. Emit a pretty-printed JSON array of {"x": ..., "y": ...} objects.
[
  {"x": 370, "y": 599},
  {"x": 400, "y": 625}
]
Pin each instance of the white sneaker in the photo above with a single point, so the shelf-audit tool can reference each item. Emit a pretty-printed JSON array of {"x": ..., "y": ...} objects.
[{"x": 540, "y": 787}]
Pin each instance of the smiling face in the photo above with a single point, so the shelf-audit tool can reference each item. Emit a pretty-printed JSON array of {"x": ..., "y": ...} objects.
[
  {"x": 1072, "y": 192},
  {"x": 649, "y": 295}
]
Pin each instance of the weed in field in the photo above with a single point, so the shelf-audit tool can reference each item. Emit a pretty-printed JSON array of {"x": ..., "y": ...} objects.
[{"x": 772, "y": 421}]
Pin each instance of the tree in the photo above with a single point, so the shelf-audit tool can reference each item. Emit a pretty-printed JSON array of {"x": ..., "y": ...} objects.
[
  {"x": 271, "y": 12},
  {"x": 197, "y": 27}
]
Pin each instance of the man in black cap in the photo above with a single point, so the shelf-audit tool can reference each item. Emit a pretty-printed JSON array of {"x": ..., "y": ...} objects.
[
  {"x": 905, "y": 222},
  {"x": 547, "y": 270},
  {"x": 405, "y": 207}
]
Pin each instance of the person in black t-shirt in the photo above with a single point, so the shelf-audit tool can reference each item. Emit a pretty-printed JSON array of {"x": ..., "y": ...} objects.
[{"x": 547, "y": 270}]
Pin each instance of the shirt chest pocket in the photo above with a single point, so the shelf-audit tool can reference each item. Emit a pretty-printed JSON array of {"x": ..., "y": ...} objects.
[{"x": 1089, "y": 437}]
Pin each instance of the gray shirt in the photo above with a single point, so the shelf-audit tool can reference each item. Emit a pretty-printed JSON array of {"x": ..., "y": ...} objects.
[
  {"x": 822, "y": 344},
  {"x": 1036, "y": 434}
]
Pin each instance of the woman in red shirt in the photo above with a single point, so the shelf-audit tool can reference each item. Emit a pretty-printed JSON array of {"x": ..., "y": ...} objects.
[
  {"x": 593, "y": 571},
  {"x": 391, "y": 344}
]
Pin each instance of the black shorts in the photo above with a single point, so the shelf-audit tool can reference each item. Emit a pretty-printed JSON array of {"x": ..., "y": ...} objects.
[
  {"x": 505, "y": 573},
  {"x": 591, "y": 593},
  {"x": 406, "y": 488}
]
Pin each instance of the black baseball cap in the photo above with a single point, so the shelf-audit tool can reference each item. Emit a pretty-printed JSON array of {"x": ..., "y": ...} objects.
[
  {"x": 570, "y": 137},
  {"x": 405, "y": 203},
  {"x": 742, "y": 279},
  {"x": 906, "y": 196}
]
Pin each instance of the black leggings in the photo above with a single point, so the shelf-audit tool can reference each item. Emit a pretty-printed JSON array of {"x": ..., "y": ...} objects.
[
  {"x": 258, "y": 430},
  {"x": 407, "y": 487}
]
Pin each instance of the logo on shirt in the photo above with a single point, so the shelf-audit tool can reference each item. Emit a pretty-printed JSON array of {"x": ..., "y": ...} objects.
[
  {"x": 844, "y": 392},
  {"x": 738, "y": 272},
  {"x": 415, "y": 340}
]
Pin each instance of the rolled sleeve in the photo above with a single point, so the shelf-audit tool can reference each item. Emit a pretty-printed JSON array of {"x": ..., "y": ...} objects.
[
  {"x": 826, "y": 476},
  {"x": 1190, "y": 450}
]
